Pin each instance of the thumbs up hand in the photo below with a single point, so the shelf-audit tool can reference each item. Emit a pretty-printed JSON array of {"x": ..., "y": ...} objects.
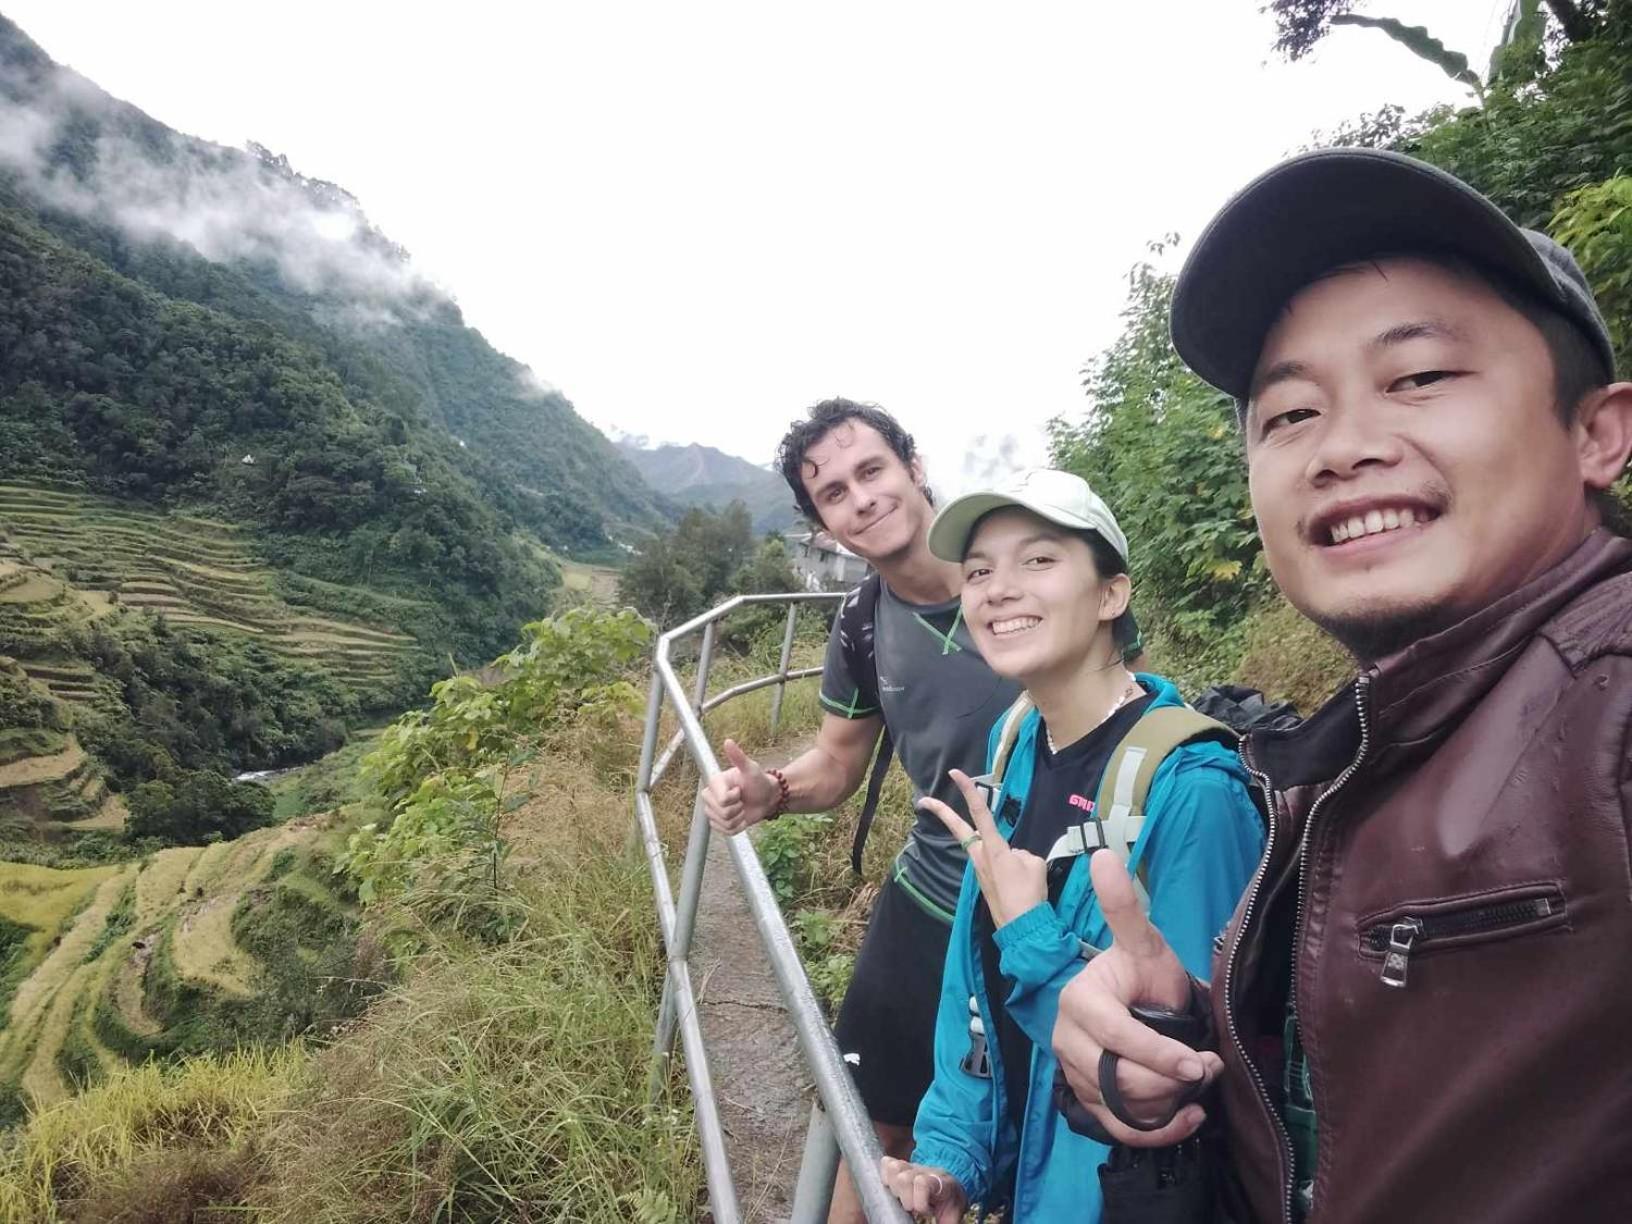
[
  {"x": 1153, "y": 1073},
  {"x": 741, "y": 795}
]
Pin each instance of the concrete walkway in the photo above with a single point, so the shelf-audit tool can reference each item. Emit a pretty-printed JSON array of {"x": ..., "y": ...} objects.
[{"x": 763, "y": 1089}]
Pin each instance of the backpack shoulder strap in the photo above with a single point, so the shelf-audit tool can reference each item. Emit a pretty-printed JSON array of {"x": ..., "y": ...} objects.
[
  {"x": 991, "y": 782},
  {"x": 1119, "y": 806},
  {"x": 1012, "y": 718},
  {"x": 858, "y": 617}
]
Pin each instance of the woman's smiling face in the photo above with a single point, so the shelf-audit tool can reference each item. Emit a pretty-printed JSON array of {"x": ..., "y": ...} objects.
[{"x": 1032, "y": 596}]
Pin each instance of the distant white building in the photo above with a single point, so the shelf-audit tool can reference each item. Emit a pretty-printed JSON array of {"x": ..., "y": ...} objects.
[{"x": 821, "y": 562}]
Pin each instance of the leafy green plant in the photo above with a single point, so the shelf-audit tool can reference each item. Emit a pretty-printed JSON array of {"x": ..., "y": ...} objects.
[
  {"x": 1163, "y": 449},
  {"x": 449, "y": 775},
  {"x": 1423, "y": 45},
  {"x": 1595, "y": 222},
  {"x": 788, "y": 852}
]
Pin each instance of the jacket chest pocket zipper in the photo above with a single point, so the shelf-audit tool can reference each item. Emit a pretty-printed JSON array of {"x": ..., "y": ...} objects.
[{"x": 1446, "y": 924}]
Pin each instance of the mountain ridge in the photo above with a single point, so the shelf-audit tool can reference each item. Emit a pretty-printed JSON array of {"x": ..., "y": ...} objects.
[{"x": 695, "y": 474}]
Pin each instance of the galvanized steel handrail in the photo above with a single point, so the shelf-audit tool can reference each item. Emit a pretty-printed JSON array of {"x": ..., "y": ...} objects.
[{"x": 843, "y": 1117}]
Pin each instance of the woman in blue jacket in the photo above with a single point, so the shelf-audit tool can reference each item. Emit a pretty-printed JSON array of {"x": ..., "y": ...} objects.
[{"x": 1046, "y": 598}]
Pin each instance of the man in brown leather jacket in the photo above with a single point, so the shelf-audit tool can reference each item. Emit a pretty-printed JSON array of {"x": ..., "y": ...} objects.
[{"x": 1420, "y": 1009}]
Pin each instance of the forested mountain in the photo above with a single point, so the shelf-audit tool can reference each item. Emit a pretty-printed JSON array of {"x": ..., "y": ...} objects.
[
  {"x": 259, "y": 481},
  {"x": 697, "y": 475},
  {"x": 291, "y": 276}
]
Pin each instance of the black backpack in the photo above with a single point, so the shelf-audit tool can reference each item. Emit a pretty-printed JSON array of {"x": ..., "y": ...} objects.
[
  {"x": 856, "y": 635},
  {"x": 1245, "y": 709}
]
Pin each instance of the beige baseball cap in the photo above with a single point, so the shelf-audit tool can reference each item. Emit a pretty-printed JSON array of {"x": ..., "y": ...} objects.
[{"x": 1060, "y": 497}]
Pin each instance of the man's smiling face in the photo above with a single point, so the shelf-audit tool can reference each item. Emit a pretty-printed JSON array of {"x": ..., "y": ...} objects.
[
  {"x": 867, "y": 497},
  {"x": 1407, "y": 463}
]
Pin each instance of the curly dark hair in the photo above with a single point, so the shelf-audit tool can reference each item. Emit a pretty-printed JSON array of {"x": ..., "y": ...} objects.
[{"x": 817, "y": 423}]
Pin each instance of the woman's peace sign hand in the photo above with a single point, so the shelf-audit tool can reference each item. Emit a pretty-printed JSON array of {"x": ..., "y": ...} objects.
[{"x": 1012, "y": 881}]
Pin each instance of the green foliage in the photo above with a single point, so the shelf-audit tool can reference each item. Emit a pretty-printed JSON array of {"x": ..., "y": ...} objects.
[
  {"x": 111, "y": 386},
  {"x": 1164, "y": 451},
  {"x": 1519, "y": 53},
  {"x": 444, "y": 773},
  {"x": 23, "y": 704},
  {"x": 1596, "y": 224},
  {"x": 316, "y": 971},
  {"x": 416, "y": 398},
  {"x": 819, "y": 935},
  {"x": 196, "y": 807},
  {"x": 1422, "y": 44},
  {"x": 93, "y": 848},
  {"x": 680, "y": 573},
  {"x": 13, "y": 963},
  {"x": 120, "y": 918},
  {"x": 786, "y": 851},
  {"x": 326, "y": 784},
  {"x": 1530, "y": 147},
  {"x": 1549, "y": 146},
  {"x": 501, "y": 1085},
  {"x": 1300, "y": 24},
  {"x": 190, "y": 699}
]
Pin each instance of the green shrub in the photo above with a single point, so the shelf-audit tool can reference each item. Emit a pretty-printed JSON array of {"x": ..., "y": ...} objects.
[
  {"x": 786, "y": 851},
  {"x": 445, "y": 773},
  {"x": 23, "y": 704},
  {"x": 196, "y": 807}
]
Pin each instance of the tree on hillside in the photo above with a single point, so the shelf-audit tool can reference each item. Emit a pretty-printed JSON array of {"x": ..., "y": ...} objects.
[
  {"x": 679, "y": 573},
  {"x": 1160, "y": 445},
  {"x": 708, "y": 557},
  {"x": 197, "y": 807}
]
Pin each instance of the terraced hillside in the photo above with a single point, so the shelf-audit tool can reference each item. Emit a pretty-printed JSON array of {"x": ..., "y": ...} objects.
[
  {"x": 71, "y": 556},
  {"x": 193, "y": 948}
]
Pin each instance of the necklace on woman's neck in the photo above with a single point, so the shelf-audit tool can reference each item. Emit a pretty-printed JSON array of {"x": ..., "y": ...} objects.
[{"x": 1131, "y": 688}]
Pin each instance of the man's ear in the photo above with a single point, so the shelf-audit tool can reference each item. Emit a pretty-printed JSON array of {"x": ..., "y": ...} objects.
[
  {"x": 1113, "y": 599},
  {"x": 915, "y": 469},
  {"x": 1604, "y": 434}
]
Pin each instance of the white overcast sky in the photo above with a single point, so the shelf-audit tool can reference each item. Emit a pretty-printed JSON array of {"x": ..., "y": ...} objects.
[{"x": 695, "y": 219}]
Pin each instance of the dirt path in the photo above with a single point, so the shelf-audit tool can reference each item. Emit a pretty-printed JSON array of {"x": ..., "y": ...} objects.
[{"x": 753, "y": 1050}]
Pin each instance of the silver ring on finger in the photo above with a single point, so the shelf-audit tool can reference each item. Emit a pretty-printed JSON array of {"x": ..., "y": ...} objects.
[{"x": 940, "y": 1186}]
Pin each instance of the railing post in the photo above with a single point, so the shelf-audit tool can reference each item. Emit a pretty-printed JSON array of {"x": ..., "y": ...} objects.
[
  {"x": 705, "y": 659},
  {"x": 691, "y": 885},
  {"x": 813, "y": 1192},
  {"x": 782, "y": 669},
  {"x": 648, "y": 740}
]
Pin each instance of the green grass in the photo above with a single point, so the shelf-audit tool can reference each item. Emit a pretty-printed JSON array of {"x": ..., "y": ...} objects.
[{"x": 325, "y": 784}]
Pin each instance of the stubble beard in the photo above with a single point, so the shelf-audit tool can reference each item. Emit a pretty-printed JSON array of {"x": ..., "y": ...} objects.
[{"x": 1377, "y": 635}]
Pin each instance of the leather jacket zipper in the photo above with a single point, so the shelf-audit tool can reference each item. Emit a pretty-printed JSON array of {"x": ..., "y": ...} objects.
[
  {"x": 1361, "y": 688},
  {"x": 1283, "y": 1141},
  {"x": 1401, "y": 935}
]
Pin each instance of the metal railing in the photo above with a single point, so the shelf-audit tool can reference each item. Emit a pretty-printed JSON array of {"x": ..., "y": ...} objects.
[{"x": 839, "y": 1122}]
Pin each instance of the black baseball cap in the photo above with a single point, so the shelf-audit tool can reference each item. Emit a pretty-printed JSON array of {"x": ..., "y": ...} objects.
[{"x": 1321, "y": 210}]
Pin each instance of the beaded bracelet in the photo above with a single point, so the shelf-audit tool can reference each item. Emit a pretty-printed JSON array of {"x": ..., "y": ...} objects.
[{"x": 782, "y": 798}]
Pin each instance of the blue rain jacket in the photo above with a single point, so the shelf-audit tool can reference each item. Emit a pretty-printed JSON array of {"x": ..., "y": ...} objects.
[{"x": 1202, "y": 838}]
